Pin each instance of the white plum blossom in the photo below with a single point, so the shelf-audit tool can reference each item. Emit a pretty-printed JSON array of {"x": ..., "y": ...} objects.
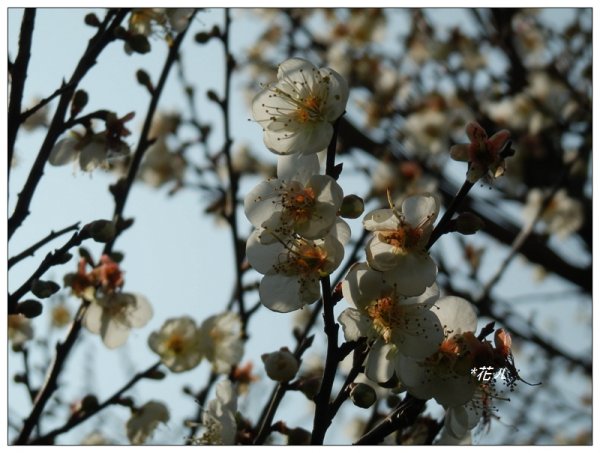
[
  {"x": 446, "y": 374},
  {"x": 562, "y": 216},
  {"x": 397, "y": 325},
  {"x": 298, "y": 201},
  {"x": 219, "y": 340},
  {"x": 178, "y": 344},
  {"x": 19, "y": 330},
  {"x": 160, "y": 165},
  {"x": 298, "y": 110},
  {"x": 144, "y": 420},
  {"x": 398, "y": 244},
  {"x": 219, "y": 417},
  {"x": 114, "y": 314},
  {"x": 91, "y": 151},
  {"x": 405, "y": 322},
  {"x": 292, "y": 266}
]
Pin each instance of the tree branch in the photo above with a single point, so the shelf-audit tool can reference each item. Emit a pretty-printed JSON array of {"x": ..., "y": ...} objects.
[
  {"x": 83, "y": 414},
  {"x": 19, "y": 74},
  {"x": 31, "y": 250}
]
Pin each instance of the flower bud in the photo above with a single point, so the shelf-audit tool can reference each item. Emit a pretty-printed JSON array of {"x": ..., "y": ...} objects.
[
  {"x": 44, "y": 289},
  {"x": 210, "y": 94},
  {"x": 64, "y": 258},
  {"x": 92, "y": 20},
  {"x": 310, "y": 386},
  {"x": 468, "y": 223},
  {"x": 298, "y": 436},
  {"x": 363, "y": 395},
  {"x": 79, "y": 101},
  {"x": 101, "y": 230},
  {"x": 89, "y": 403},
  {"x": 139, "y": 44},
  {"x": 202, "y": 37},
  {"x": 30, "y": 308},
  {"x": 352, "y": 207},
  {"x": 156, "y": 375},
  {"x": 281, "y": 365},
  {"x": 144, "y": 79}
]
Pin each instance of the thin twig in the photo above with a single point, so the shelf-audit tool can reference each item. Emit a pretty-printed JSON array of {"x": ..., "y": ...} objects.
[
  {"x": 233, "y": 175},
  {"x": 51, "y": 259},
  {"x": 30, "y": 251},
  {"x": 404, "y": 415},
  {"x": 50, "y": 384},
  {"x": 19, "y": 74},
  {"x": 83, "y": 414},
  {"x": 265, "y": 421},
  {"x": 96, "y": 45},
  {"x": 29, "y": 112},
  {"x": 123, "y": 187}
]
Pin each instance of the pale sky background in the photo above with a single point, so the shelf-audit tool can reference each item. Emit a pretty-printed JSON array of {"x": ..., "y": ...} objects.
[{"x": 175, "y": 254}]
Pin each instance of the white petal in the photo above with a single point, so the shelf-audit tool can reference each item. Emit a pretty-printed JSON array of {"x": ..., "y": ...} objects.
[
  {"x": 337, "y": 94},
  {"x": 456, "y": 314},
  {"x": 379, "y": 368},
  {"x": 293, "y": 69},
  {"x": 141, "y": 313},
  {"x": 341, "y": 231},
  {"x": 381, "y": 219},
  {"x": 383, "y": 256},
  {"x": 63, "y": 152},
  {"x": 261, "y": 202},
  {"x": 354, "y": 324},
  {"x": 114, "y": 333},
  {"x": 92, "y": 320},
  {"x": 92, "y": 155},
  {"x": 306, "y": 138},
  {"x": 420, "y": 335},
  {"x": 419, "y": 208},
  {"x": 413, "y": 274},
  {"x": 284, "y": 294},
  {"x": 262, "y": 257},
  {"x": 297, "y": 167}
]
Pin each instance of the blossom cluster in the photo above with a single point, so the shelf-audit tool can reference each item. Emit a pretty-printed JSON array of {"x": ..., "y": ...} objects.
[
  {"x": 111, "y": 313},
  {"x": 418, "y": 341},
  {"x": 298, "y": 237}
]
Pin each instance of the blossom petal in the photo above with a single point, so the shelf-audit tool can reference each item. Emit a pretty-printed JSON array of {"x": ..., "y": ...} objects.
[
  {"x": 260, "y": 256},
  {"x": 378, "y": 367},
  {"x": 283, "y": 293},
  {"x": 63, "y": 152},
  {"x": 413, "y": 275},
  {"x": 419, "y": 209},
  {"x": 456, "y": 314},
  {"x": 337, "y": 95},
  {"x": 460, "y": 152},
  {"x": 354, "y": 324},
  {"x": 297, "y": 167},
  {"x": 381, "y": 219}
]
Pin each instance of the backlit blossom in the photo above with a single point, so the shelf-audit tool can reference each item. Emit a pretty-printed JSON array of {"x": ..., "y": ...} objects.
[
  {"x": 562, "y": 216},
  {"x": 218, "y": 419},
  {"x": 219, "y": 340},
  {"x": 292, "y": 266},
  {"x": 19, "y": 330},
  {"x": 144, "y": 420},
  {"x": 177, "y": 344},
  {"x": 483, "y": 153},
  {"x": 398, "y": 325},
  {"x": 161, "y": 166},
  {"x": 93, "y": 150},
  {"x": 297, "y": 112},
  {"x": 298, "y": 201},
  {"x": 446, "y": 374},
  {"x": 398, "y": 244},
  {"x": 113, "y": 315}
]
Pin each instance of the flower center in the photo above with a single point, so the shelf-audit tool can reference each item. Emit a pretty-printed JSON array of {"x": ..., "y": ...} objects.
[
  {"x": 404, "y": 239},
  {"x": 298, "y": 206},
  {"x": 308, "y": 109},
  {"x": 385, "y": 314},
  {"x": 304, "y": 259},
  {"x": 175, "y": 344}
]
